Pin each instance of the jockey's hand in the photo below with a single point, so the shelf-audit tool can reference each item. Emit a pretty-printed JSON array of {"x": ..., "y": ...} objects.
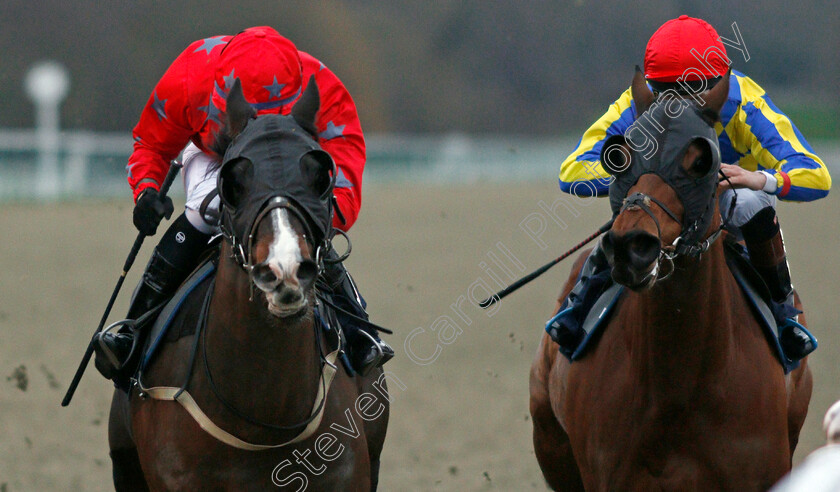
[
  {"x": 150, "y": 210},
  {"x": 741, "y": 178}
]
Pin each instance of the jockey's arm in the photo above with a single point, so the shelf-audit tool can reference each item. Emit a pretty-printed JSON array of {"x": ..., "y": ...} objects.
[
  {"x": 149, "y": 163},
  {"x": 581, "y": 173},
  {"x": 771, "y": 143},
  {"x": 168, "y": 121},
  {"x": 340, "y": 134}
]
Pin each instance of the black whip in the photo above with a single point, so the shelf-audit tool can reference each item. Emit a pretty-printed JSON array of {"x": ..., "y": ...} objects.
[
  {"x": 170, "y": 177},
  {"x": 539, "y": 271}
]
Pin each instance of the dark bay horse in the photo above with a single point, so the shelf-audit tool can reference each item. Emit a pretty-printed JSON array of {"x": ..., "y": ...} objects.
[
  {"x": 265, "y": 403},
  {"x": 682, "y": 391}
]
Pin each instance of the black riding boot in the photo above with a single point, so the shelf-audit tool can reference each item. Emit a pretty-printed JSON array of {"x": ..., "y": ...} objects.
[
  {"x": 763, "y": 237},
  {"x": 172, "y": 260},
  {"x": 365, "y": 349}
]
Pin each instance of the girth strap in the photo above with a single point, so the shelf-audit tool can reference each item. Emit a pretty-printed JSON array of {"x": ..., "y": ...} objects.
[
  {"x": 182, "y": 396},
  {"x": 186, "y": 400}
]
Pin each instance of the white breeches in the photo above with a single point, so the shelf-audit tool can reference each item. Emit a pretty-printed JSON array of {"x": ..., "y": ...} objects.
[{"x": 199, "y": 181}]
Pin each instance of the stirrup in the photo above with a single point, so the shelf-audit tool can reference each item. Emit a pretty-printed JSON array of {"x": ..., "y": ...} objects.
[
  {"x": 790, "y": 325},
  {"x": 102, "y": 347},
  {"x": 378, "y": 360},
  {"x": 133, "y": 326}
]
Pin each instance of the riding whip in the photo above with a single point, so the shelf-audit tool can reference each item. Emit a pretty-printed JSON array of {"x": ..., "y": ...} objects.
[
  {"x": 170, "y": 177},
  {"x": 539, "y": 271}
]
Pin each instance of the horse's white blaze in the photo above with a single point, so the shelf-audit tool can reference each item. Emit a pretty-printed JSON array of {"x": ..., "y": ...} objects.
[{"x": 284, "y": 253}]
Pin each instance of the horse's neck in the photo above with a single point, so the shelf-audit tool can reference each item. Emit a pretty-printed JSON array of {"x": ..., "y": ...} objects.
[
  {"x": 686, "y": 321},
  {"x": 256, "y": 353}
]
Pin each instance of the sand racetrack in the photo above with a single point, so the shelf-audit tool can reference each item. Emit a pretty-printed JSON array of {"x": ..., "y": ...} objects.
[{"x": 460, "y": 423}]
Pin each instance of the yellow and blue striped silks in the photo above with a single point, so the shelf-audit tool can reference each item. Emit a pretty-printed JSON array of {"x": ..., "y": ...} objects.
[{"x": 753, "y": 133}]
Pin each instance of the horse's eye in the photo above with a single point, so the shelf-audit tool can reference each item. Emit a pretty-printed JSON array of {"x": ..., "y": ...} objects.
[
  {"x": 699, "y": 159},
  {"x": 232, "y": 182},
  {"x": 318, "y": 170},
  {"x": 230, "y": 193}
]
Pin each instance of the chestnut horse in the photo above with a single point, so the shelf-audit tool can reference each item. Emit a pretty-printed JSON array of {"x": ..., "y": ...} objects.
[
  {"x": 263, "y": 405},
  {"x": 682, "y": 390}
]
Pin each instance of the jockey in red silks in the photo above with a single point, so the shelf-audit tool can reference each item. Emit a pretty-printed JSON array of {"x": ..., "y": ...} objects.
[
  {"x": 764, "y": 155},
  {"x": 183, "y": 115}
]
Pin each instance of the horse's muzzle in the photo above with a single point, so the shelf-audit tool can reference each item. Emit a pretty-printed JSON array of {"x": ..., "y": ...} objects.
[
  {"x": 285, "y": 295},
  {"x": 633, "y": 257},
  {"x": 287, "y": 302}
]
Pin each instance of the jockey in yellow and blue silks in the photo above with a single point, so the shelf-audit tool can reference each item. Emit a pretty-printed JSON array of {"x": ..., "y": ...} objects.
[
  {"x": 764, "y": 155},
  {"x": 753, "y": 133}
]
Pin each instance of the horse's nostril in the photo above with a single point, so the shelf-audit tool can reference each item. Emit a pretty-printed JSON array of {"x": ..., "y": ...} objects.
[
  {"x": 643, "y": 250},
  {"x": 608, "y": 244},
  {"x": 306, "y": 273},
  {"x": 637, "y": 249},
  {"x": 263, "y": 275}
]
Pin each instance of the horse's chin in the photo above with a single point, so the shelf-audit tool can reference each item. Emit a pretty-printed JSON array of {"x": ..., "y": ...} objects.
[
  {"x": 288, "y": 311},
  {"x": 633, "y": 280}
]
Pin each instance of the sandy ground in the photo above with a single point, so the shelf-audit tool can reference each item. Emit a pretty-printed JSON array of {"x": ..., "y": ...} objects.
[{"x": 422, "y": 256}]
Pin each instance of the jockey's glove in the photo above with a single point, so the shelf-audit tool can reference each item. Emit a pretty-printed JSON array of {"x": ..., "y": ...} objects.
[{"x": 151, "y": 208}]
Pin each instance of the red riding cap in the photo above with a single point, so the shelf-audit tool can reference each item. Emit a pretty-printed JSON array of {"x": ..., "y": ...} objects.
[
  {"x": 267, "y": 65},
  {"x": 686, "y": 48}
]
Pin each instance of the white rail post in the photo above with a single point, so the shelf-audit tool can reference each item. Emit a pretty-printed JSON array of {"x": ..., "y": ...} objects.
[{"x": 47, "y": 84}]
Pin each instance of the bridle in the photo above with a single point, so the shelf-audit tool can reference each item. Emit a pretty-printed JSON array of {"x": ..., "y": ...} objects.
[
  {"x": 667, "y": 254},
  {"x": 242, "y": 254},
  {"x": 242, "y": 251}
]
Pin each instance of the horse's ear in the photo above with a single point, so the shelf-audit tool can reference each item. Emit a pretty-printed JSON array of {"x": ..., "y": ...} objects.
[
  {"x": 306, "y": 108},
  {"x": 642, "y": 95},
  {"x": 238, "y": 112},
  {"x": 236, "y": 116},
  {"x": 716, "y": 97},
  {"x": 318, "y": 171}
]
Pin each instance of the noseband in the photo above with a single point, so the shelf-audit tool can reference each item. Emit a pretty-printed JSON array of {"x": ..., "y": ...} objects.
[
  {"x": 243, "y": 251},
  {"x": 641, "y": 201}
]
